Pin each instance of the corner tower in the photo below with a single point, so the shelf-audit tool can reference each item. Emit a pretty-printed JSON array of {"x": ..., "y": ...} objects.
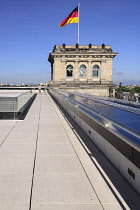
[{"x": 83, "y": 68}]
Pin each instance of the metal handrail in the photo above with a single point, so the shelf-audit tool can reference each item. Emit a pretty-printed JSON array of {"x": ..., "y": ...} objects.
[
  {"x": 121, "y": 130},
  {"x": 102, "y": 100}
]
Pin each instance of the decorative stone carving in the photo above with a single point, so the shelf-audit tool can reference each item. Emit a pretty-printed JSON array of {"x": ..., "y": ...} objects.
[
  {"x": 90, "y": 46},
  {"x": 119, "y": 94},
  {"x": 110, "y": 92},
  {"x": 103, "y": 46},
  {"x": 132, "y": 94}
]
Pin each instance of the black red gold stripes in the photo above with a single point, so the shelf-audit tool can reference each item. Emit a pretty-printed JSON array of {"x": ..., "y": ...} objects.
[{"x": 71, "y": 18}]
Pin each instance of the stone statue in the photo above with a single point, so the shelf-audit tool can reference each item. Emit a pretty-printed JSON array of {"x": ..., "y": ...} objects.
[
  {"x": 131, "y": 96},
  {"x": 110, "y": 92},
  {"x": 119, "y": 94}
]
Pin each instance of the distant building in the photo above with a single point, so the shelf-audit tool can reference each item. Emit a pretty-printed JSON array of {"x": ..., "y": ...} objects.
[{"x": 83, "y": 68}]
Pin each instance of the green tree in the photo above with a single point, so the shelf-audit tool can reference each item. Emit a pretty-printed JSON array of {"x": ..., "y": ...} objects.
[
  {"x": 125, "y": 89},
  {"x": 137, "y": 89}
]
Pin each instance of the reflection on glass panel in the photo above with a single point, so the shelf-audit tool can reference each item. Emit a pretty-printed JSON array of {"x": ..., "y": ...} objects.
[
  {"x": 95, "y": 71},
  {"x": 82, "y": 71},
  {"x": 69, "y": 71}
]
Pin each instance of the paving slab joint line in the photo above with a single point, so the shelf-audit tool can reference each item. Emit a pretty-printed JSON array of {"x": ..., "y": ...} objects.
[
  {"x": 8, "y": 133},
  {"x": 30, "y": 204}
]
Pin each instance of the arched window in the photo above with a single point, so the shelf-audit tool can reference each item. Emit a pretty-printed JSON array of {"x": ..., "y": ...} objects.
[
  {"x": 95, "y": 71},
  {"x": 69, "y": 71},
  {"x": 82, "y": 71}
]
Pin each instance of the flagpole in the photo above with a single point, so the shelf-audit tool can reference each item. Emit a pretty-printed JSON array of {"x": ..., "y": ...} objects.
[{"x": 79, "y": 24}]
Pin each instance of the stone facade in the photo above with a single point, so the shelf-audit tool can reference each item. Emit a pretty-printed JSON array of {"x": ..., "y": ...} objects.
[{"x": 84, "y": 68}]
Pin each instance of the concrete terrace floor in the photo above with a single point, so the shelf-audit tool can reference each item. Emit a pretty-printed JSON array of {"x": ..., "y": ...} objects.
[{"x": 48, "y": 163}]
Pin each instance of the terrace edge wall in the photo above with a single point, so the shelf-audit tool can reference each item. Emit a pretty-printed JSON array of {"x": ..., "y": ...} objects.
[{"x": 123, "y": 162}]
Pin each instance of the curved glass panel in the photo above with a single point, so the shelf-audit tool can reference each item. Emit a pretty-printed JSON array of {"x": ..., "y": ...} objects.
[
  {"x": 69, "y": 71},
  {"x": 82, "y": 71}
]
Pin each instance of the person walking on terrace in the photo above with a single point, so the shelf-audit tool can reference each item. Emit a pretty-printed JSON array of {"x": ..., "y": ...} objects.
[
  {"x": 39, "y": 88},
  {"x": 44, "y": 89}
]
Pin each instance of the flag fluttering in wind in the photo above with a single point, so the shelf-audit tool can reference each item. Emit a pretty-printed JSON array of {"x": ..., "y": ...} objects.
[{"x": 72, "y": 18}]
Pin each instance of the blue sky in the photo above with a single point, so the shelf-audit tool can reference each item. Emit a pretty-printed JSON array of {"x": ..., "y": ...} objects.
[{"x": 29, "y": 30}]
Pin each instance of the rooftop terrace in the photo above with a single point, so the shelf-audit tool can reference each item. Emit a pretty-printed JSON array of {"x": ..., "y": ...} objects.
[{"x": 48, "y": 163}]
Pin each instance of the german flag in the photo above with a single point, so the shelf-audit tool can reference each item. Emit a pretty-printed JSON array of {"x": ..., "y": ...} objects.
[{"x": 72, "y": 18}]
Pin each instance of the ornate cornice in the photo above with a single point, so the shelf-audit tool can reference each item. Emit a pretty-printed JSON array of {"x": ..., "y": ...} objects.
[
  {"x": 81, "y": 52},
  {"x": 84, "y": 56}
]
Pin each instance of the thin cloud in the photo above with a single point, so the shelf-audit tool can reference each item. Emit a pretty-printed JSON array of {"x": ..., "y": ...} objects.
[{"x": 119, "y": 72}]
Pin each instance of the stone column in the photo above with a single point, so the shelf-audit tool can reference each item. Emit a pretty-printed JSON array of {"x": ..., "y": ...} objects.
[
  {"x": 54, "y": 71},
  {"x": 76, "y": 71},
  {"x": 89, "y": 76},
  {"x": 51, "y": 71},
  {"x": 89, "y": 72},
  {"x": 63, "y": 66},
  {"x": 102, "y": 73}
]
